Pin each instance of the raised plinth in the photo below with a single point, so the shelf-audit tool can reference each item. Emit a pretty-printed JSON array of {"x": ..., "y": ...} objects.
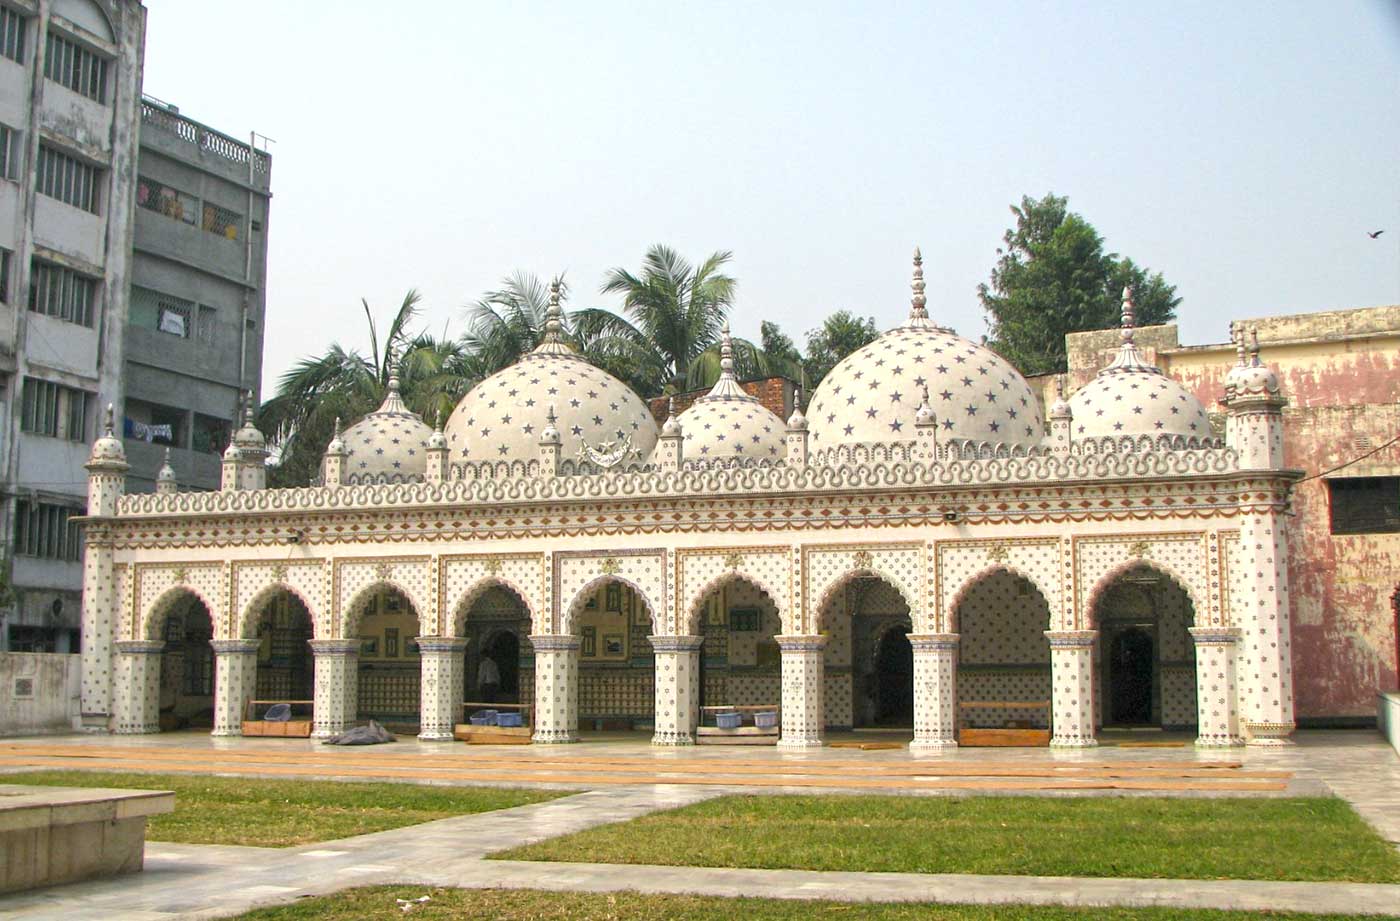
[{"x": 52, "y": 835}]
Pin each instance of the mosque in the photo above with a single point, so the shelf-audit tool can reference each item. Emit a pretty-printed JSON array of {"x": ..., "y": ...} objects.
[{"x": 921, "y": 548}]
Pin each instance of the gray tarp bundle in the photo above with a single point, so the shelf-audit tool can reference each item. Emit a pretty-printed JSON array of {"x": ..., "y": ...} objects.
[
  {"x": 373, "y": 734},
  {"x": 278, "y": 713}
]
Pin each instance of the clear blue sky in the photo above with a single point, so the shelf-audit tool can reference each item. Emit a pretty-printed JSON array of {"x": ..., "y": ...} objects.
[{"x": 1243, "y": 149}]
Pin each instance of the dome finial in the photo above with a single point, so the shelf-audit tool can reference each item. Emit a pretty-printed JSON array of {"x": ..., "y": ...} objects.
[
  {"x": 1059, "y": 386},
  {"x": 726, "y": 351},
  {"x": 109, "y": 425},
  {"x": 672, "y": 425},
  {"x": 552, "y": 342},
  {"x": 727, "y": 387},
  {"x": 1129, "y": 315},
  {"x": 918, "y": 309},
  {"x": 1254, "y": 347}
]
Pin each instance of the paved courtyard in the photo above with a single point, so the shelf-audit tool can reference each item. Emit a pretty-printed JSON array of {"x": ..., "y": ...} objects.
[{"x": 622, "y": 778}]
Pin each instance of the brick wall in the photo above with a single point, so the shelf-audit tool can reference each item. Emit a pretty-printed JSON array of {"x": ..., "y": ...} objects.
[{"x": 776, "y": 393}]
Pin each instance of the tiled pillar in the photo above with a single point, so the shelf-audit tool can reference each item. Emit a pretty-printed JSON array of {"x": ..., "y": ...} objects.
[
  {"x": 935, "y": 691},
  {"x": 337, "y": 691},
  {"x": 1265, "y": 660},
  {"x": 440, "y": 703},
  {"x": 235, "y": 683},
  {"x": 803, "y": 717},
  {"x": 677, "y": 688},
  {"x": 1217, "y": 706},
  {"x": 136, "y": 707},
  {"x": 1072, "y": 704},
  {"x": 556, "y": 687}
]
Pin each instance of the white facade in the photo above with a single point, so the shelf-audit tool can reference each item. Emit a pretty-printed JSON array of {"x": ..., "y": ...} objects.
[{"x": 1014, "y": 572}]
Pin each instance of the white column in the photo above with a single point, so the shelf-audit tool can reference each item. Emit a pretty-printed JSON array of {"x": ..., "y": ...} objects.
[
  {"x": 1265, "y": 676},
  {"x": 803, "y": 717},
  {"x": 1217, "y": 707},
  {"x": 935, "y": 691},
  {"x": 1072, "y": 704},
  {"x": 677, "y": 688},
  {"x": 136, "y": 703},
  {"x": 337, "y": 691},
  {"x": 556, "y": 687},
  {"x": 235, "y": 683},
  {"x": 440, "y": 703},
  {"x": 99, "y": 607}
]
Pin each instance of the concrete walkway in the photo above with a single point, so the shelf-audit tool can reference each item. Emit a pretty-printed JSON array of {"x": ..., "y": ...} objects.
[{"x": 196, "y": 881}]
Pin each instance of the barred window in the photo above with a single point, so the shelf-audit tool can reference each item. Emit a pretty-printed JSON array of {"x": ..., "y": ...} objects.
[
  {"x": 163, "y": 313},
  {"x": 221, "y": 221},
  {"x": 76, "y": 68},
  {"x": 55, "y": 410},
  {"x": 166, "y": 200},
  {"x": 42, "y": 529},
  {"x": 60, "y": 292},
  {"x": 67, "y": 179},
  {"x": 12, "y": 27},
  {"x": 5, "y": 257},
  {"x": 1365, "y": 505},
  {"x": 9, "y": 152}
]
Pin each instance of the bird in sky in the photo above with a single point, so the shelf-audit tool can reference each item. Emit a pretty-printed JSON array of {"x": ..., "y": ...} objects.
[{"x": 1374, "y": 233}]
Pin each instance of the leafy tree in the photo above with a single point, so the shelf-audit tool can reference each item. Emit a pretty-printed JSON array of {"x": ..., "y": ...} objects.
[
  {"x": 839, "y": 335},
  {"x": 1053, "y": 277}
]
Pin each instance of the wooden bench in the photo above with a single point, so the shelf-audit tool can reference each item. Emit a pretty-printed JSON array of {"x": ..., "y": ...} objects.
[
  {"x": 495, "y": 735},
  {"x": 1005, "y": 737},
  {"x": 744, "y": 735},
  {"x": 289, "y": 729}
]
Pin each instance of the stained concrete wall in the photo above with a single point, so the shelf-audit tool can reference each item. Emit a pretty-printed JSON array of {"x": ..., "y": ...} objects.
[
  {"x": 39, "y": 692},
  {"x": 1341, "y": 373}
]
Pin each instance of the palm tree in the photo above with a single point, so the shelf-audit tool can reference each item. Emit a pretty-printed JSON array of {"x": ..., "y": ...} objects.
[{"x": 676, "y": 311}]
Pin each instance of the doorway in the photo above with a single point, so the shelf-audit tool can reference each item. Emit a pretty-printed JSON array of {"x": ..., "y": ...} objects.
[
  {"x": 1132, "y": 656},
  {"x": 894, "y": 679}
]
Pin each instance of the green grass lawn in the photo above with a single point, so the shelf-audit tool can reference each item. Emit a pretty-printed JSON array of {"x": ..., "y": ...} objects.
[
  {"x": 280, "y": 813},
  {"x": 520, "y": 905},
  {"x": 1271, "y": 839}
]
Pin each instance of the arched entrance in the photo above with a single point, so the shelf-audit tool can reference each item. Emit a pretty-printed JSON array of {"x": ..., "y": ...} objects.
[
  {"x": 389, "y": 665},
  {"x": 867, "y": 684},
  {"x": 187, "y": 666},
  {"x": 1146, "y": 658},
  {"x": 617, "y": 667},
  {"x": 286, "y": 666},
  {"x": 740, "y": 663},
  {"x": 1003, "y": 673},
  {"x": 497, "y": 626}
]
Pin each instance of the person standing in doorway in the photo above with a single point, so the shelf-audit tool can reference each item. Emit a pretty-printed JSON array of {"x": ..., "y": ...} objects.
[{"x": 488, "y": 679}]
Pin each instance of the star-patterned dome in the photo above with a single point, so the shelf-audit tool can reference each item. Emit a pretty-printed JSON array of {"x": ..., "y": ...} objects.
[
  {"x": 599, "y": 418},
  {"x": 1131, "y": 397},
  {"x": 874, "y": 393},
  {"x": 388, "y": 445},
  {"x": 729, "y": 423}
]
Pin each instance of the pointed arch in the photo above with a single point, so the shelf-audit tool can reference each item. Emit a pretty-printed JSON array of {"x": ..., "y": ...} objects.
[
  {"x": 1200, "y": 612},
  {"x": 462, "y": 607},
  {"x": 153, "y": 621},
  {"x": 696, "y": 605},
  {"x": 570, "y": 613},
  {"x": 247, "y": 622},
  {"x": 840, "y": 582},
  {"x": 352, "y": 613},
  {"x": 950, "y": 614}
]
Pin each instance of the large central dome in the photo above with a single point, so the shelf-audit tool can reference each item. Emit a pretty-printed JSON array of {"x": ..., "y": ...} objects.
[
  {"x": 873, "y": 394},
  {"x": 599, "y": 418}
]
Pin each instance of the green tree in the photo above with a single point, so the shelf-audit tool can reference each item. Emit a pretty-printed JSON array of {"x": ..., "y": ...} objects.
[
  {"x": 1053, "y": 277},
  {"x": 839, "y": 335},
  {"x": 676, "y": 312}
]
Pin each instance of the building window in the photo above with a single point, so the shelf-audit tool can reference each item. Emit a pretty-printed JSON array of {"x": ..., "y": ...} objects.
[
  {"x": 163, "y": 313},
  {"x": 42, "y": 529},
  {"x": 76, "y": 68},
  {"x": 166, "y": 200},
  {"x": 221, "y": 221},
  {"x": 9, "y": 152},
  {"x": 12, "y": 26},
  {"x": 211, "y": 434},
  {"x": 5, "y": 257},
  {"x": 69, "y": 180},
  {"x": 59, "y": 292},
  {"x": 54, "y": 410},
  {"x": 153, "y": 423},
  {"x": 1365, "y": 505},
  {"x": 208, "y": 317}
]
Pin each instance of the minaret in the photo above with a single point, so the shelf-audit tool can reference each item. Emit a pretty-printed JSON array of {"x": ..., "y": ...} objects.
[
  {"x": 797, "y": 452},
  {"x": 1254, "y": 426},
  {"x": 551, "y": 444},
  {"x": 245, "y": 460},
  {"x": 437, "y": 453},
  {"x": 925, "y": 431},
  {"x": 333, "y": 460},
  {"x": 1061, "y": 420},
  {"x": 670, "y": 447},
  {"x": 106, "y": 469},
  {"x": 166, "y": 483}
]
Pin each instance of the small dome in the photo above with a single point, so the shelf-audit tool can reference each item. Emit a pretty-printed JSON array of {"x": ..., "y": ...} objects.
[
  {"x": 672, "y": 425},
  {"x": 388, "y": 445},
  {"x": 108, "y": 448},
  {"x": 1060, "y": 409},
  {"x": 1131, "y": 397},
  {"x": 872, "y": 395},
  {"x": 166, "y": 474},
  {"x": 248, "y": 436},
  {"x": 598, "y": 417},
  {"x": 729, "y": 423},
  {"x": 1251, "y": 377}
]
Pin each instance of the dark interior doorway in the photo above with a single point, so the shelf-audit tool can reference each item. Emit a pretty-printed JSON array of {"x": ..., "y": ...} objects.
[
  {"x": 894, "y": 679},
  {"x": 1131, "y": 658},
  {"x": 504, "y": 650}
]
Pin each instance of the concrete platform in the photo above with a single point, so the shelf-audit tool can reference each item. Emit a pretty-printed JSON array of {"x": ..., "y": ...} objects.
[{"x": 52, "y": 835}]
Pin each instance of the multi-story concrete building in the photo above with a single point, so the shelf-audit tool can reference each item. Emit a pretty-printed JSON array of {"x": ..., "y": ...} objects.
[
  {"x": 195, "y": 326},
  {"x": 70, "y": 91}
]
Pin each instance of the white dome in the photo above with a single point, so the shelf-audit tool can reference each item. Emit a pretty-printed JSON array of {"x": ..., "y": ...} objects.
[
  {"x": 388, "y": 445},
  {"x": 108, "y": 448},
  {"x": 1131, "y": 397},
  {"x": 729, "y": 423},
  {"x": 599, "y": 418},
  {"x": 1251, "y": 377},
  {"x": 874, "y": 393}
]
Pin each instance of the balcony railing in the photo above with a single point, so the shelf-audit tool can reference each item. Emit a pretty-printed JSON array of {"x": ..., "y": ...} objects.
[{"x": 157, "y": 114}]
